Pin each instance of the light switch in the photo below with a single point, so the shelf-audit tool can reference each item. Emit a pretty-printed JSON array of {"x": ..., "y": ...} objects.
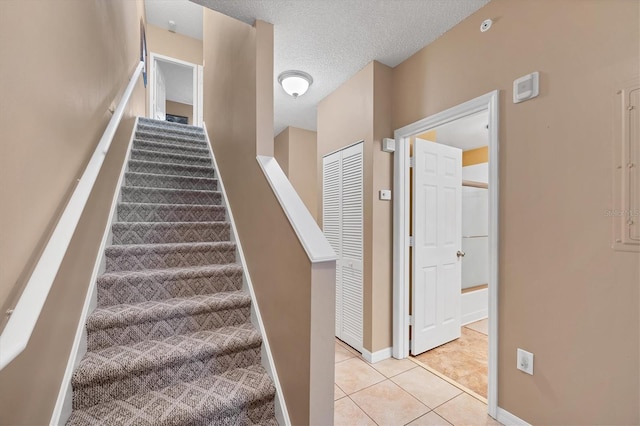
[{"x": 385, "y": 194}]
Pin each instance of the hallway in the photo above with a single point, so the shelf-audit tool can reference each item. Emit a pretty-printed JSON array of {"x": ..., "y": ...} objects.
[{"x": 399, "y": 392}]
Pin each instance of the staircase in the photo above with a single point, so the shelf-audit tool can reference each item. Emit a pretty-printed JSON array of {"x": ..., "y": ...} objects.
[{"x": 171, "y": 340}]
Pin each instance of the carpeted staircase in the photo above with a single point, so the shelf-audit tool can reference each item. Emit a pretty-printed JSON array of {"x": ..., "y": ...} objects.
[{"x": 171, "y": 340}]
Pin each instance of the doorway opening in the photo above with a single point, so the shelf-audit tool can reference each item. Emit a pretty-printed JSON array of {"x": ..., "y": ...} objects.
[
  {"x": 175, "y": 90},
  {"x": 446, "y": 243}
]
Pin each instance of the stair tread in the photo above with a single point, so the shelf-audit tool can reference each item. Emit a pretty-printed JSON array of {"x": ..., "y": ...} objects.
[
  {"x": 179, "y": 158},
  {"x": 115, "y": 362},
  {"x": 168, "y": 247},
  {"x": 170, "y": 272},
  {"x": 208, "y": 168},
  {"x": 157, "y": 310},
  {"x": 202, "y": 401},
  {"x": 161, "y": 175}
]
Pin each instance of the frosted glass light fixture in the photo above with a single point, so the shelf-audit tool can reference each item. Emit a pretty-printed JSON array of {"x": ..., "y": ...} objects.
[{"x": 295, "y": 83}]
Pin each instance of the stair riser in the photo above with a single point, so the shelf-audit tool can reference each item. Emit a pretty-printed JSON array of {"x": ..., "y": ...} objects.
[
  {"x": 172, "y": 138},
  {"x": 159, "y": 378},
  {"x": 170, "y": 158},
  {"x": 168, "y": 196},
  {"x": 147, "y": 289},
  {"x": 171, "y": 169},
  {"x": 158, "y": 213},
  {"x": 133, "y": 333},
  {"x": 170, "y": 182},
  {"x": 170, "y": 148},
  {"x": 176, "y": 233},
  {"x": 172, "y": 259}
]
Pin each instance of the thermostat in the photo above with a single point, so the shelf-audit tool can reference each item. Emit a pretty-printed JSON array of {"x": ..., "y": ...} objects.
[{"x": 526, "y": 87}]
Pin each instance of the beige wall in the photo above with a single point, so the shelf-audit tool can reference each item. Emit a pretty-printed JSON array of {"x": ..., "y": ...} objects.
[
  {"x": 348, "y": 115},
  {"x": 565, "y": 295},
  {"x": 296, "y": 151},
  {"x": 59, "y": 112},
  {"x": 178, "y": 108},
  {"x": 281, "y": 150},
  {"x": 278, "y": 265},
  {"x": 174, "y": 45}
]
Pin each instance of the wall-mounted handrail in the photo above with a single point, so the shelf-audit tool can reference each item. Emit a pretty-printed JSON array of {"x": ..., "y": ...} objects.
[{"x": 22, "y": 321}]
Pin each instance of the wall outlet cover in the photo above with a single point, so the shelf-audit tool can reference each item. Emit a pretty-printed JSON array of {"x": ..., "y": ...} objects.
[{"x": 525, "y": 361}]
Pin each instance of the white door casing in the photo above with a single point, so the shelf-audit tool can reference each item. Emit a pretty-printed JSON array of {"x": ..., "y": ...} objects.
[
  {"x": 437, "y": 233},
  {"x": 198, "y": 89},
  {"x": 342, "y": 215}
]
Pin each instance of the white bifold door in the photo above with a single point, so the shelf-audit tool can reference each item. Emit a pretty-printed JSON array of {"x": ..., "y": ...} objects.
[
  {"x": 437, "y": 233},
  {"x": 342, "y": 219}
]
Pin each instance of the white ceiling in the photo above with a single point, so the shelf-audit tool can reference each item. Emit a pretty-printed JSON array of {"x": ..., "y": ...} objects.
[
  {"x": 466, "y": 133},
  {"x": 186, "y": 15},
  {"x": 333, "y": 39},
  {"x": 178, "y": 80}
]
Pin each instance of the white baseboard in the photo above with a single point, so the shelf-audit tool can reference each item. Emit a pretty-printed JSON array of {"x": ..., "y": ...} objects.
[
  {"x": 474, "y": 306},
  {"x": 63, "y": 408},
  {"x": 376, "y": 356},
  {"x": 508, "y": 419}
]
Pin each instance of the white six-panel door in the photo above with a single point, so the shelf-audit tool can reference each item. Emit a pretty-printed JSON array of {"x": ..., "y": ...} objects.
[
  {"x": 437, "y": 233},
  {"x": 342, "y": 220}
]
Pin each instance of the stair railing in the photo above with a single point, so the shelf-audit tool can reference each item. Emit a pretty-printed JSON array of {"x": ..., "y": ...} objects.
[{"x": 25, "y": 314}]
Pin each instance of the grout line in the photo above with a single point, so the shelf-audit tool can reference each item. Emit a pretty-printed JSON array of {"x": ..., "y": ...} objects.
[
  {"x": 362, "y": 409},
  {"x": 449, "y": 380}
]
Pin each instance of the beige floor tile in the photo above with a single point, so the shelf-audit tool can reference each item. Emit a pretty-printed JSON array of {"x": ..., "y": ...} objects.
[
  {"x": 347, "y": 347},
  {"x": 427, "y": 387},
  {"x": 481, "y": 326},
  {"x": 354, "y": 374},
  {"x": 347, "y": 413},
  {"x": 337, "y": 393},
  {"x": 392, "y": 367},
  {"x": 465, "y": 410},
  {"x": 387, "y": 404},
  {"x": 342, "y": 354},
  {"x": 430, "y": 419}
]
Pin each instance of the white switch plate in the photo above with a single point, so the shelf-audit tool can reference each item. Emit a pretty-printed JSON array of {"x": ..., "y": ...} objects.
[
  {"x": 385, "y": 194},
  {"x": 525, "y": 361},
  {"x": 526, "y": 87}
]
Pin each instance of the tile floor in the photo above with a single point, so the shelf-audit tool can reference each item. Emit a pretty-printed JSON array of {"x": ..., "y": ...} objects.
[
  {"x": 465, "y": 360},
  {"x": 399, "y": 392}
]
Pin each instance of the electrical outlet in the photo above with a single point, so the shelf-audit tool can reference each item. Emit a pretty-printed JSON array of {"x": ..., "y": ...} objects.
[{"x": 525, "y": 361}]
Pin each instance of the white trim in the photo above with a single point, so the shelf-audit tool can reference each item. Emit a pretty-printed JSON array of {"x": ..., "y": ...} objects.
[
  {"x": 474, "y": 306},
  {"x": 508, "y": 419},
  {"x": 63, "y": 407},
  {"x": 401, "y": 231},
  {"x": 311, "y": 237},
  {"x": 198, "y": 93},
  {"x": 282, "y": 414},
  {"x": 17, "y": 332},
  {"x": 377, "y": 356}
]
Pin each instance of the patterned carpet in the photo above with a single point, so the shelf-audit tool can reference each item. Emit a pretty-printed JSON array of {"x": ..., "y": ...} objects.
[{"x": 171, "y": 340}]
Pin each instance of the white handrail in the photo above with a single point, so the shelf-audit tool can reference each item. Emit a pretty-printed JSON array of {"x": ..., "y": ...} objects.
[
  {"x": 23, "y": 319},
  {"x": 313, "y": 241}
]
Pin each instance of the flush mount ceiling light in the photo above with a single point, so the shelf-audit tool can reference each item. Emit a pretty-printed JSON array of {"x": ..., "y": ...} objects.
[{"x": 295, "y": 83}]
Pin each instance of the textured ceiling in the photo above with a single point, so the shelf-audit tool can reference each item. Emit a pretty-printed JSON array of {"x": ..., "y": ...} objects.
[
  {"x": 186, "y": 15},
  {"x": 334, "y": 39},
  {"x": 178, "y": 81},
  {"x": 466, "y": 133}
]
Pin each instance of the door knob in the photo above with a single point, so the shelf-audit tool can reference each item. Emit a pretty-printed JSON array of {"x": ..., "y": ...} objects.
[{"x": 460, "y": 253}]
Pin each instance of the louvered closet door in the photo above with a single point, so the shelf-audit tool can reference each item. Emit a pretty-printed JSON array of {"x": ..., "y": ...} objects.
[
  {"x": 331, "y": 220},
  {"x": 343, "y": 227}
]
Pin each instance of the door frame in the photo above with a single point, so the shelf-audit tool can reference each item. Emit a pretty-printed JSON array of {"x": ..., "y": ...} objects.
[
  {"x": 401, "y": 229},
  {"x": 197, "y": 85}
]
